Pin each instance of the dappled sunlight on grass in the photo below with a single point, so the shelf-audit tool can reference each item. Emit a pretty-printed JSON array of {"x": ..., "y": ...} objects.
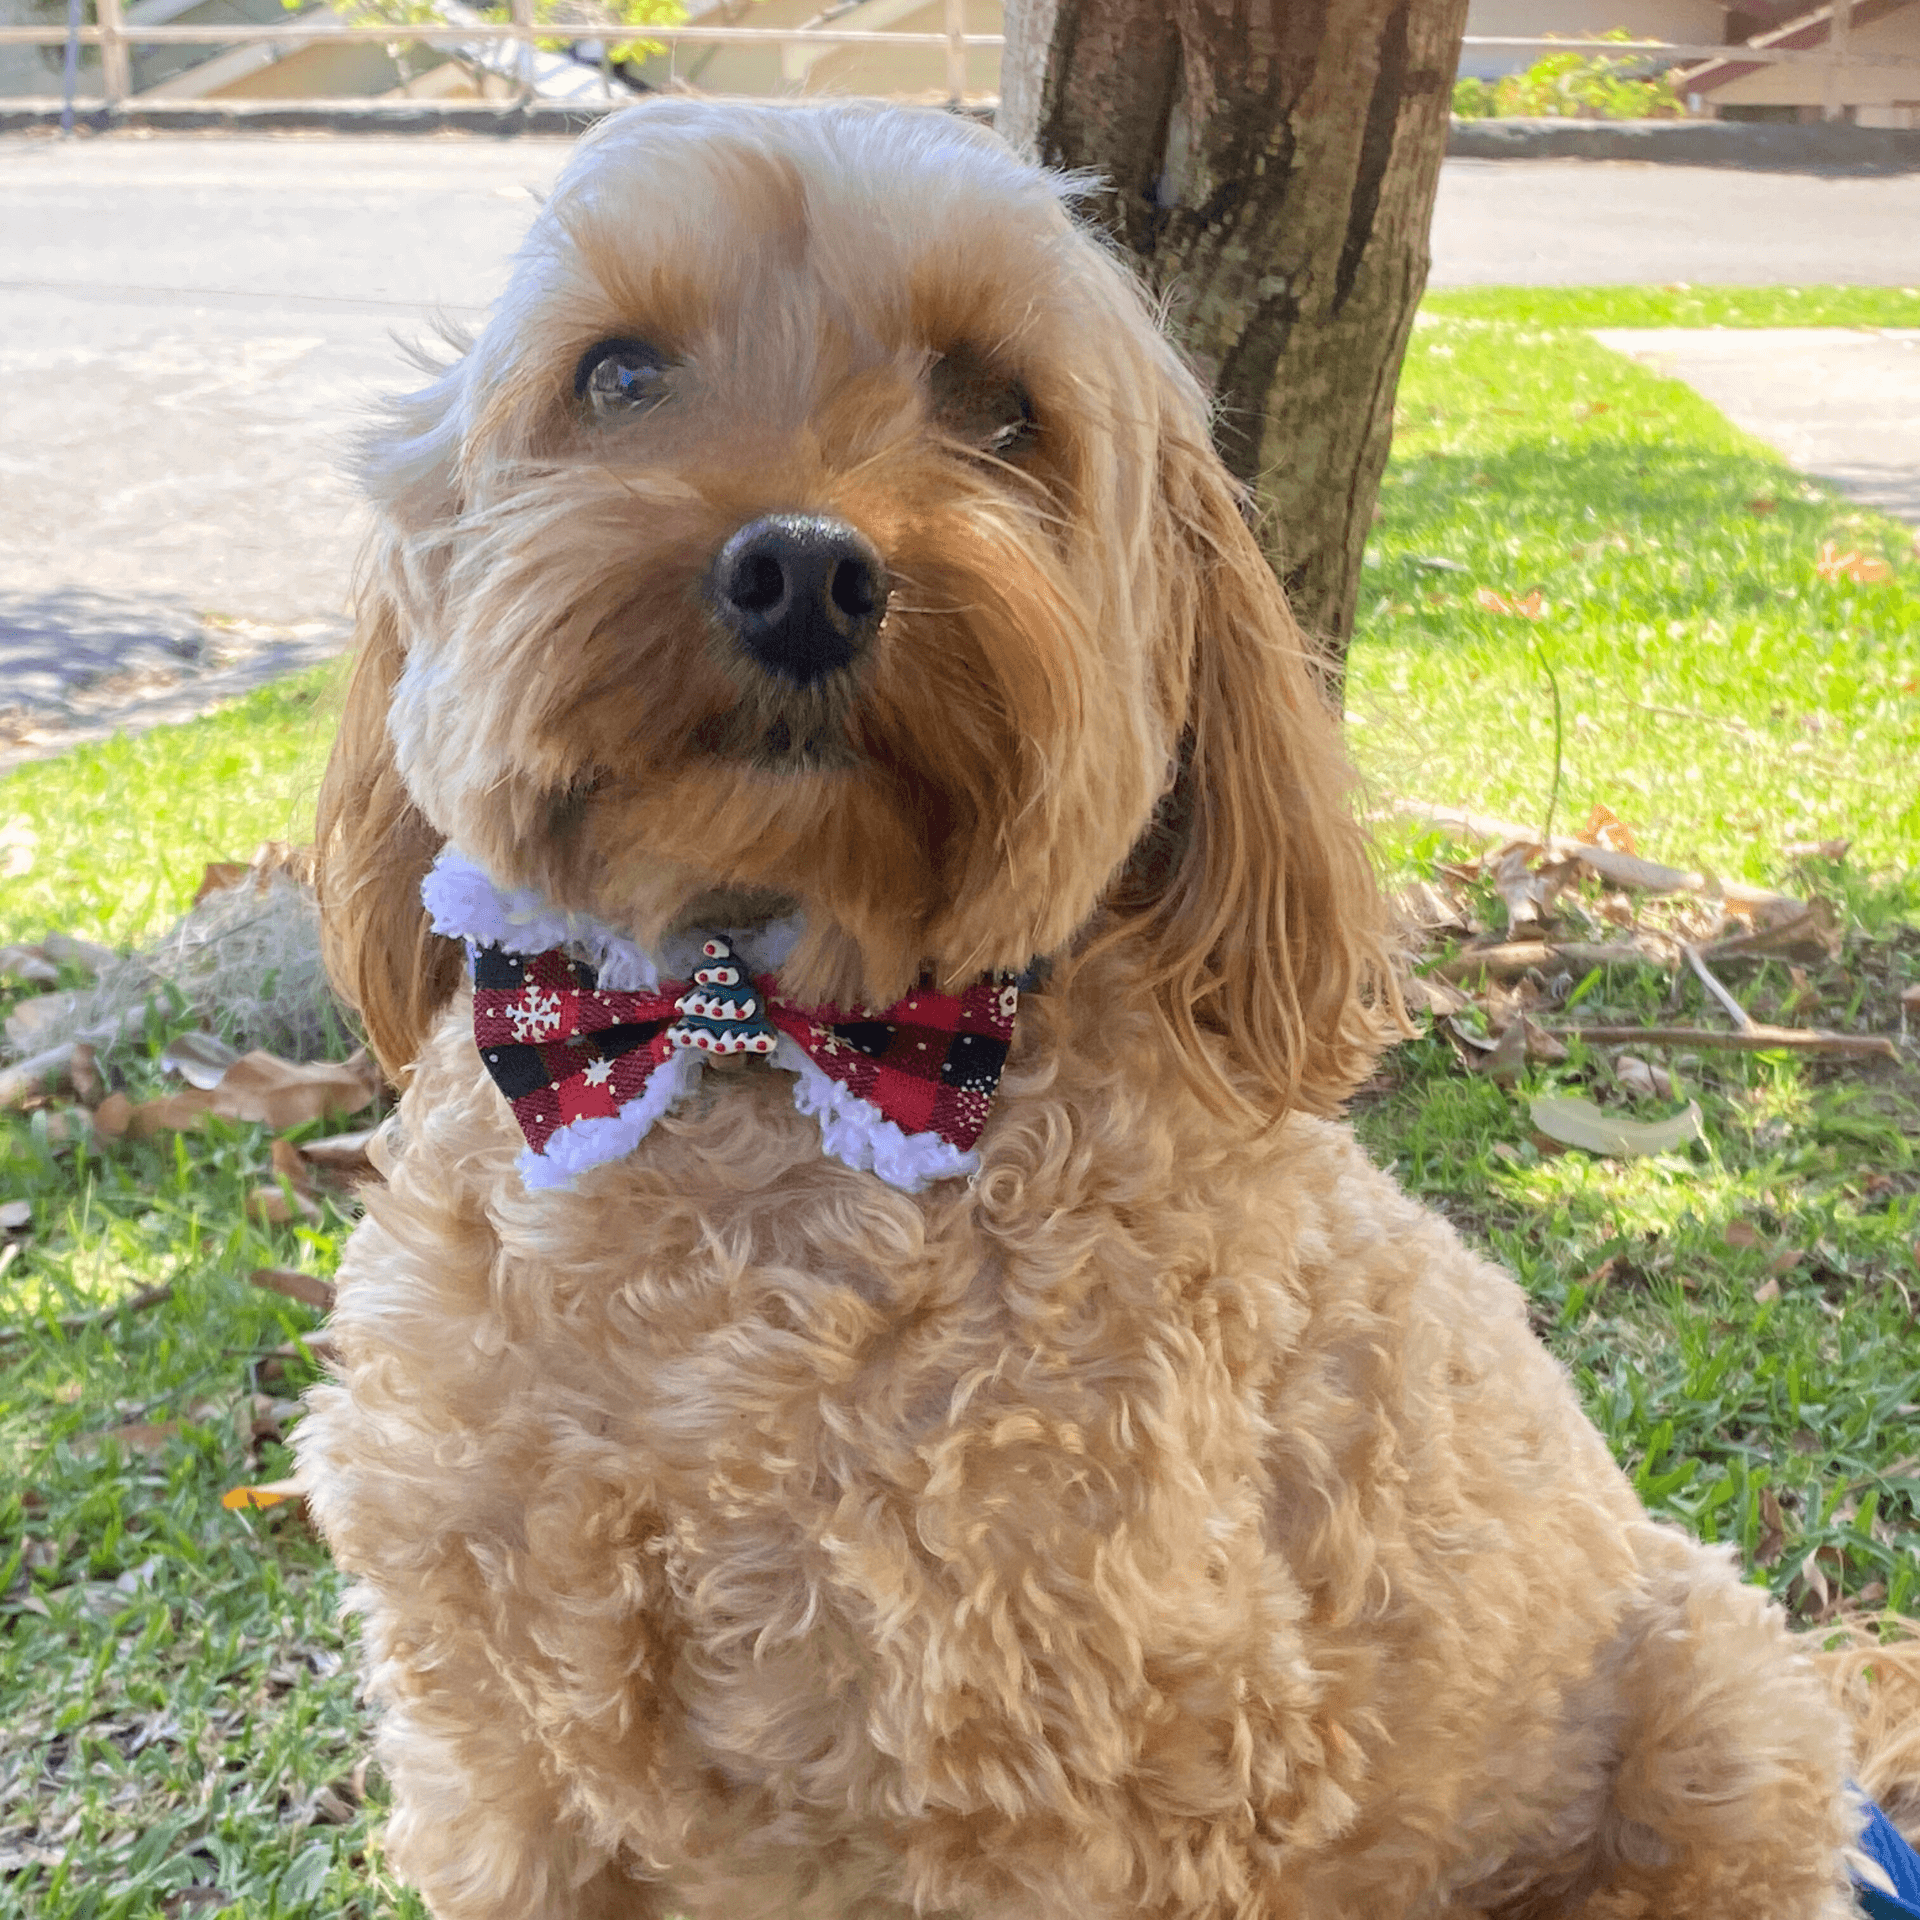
[{"x": 1719, "y": 693}]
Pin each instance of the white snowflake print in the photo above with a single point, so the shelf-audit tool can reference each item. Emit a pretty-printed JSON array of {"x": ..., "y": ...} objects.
[
  {"x": 598, "y": 1073},
  {"x": 537, "y": 1016},
  {"x": 1009, "y": 1002}
]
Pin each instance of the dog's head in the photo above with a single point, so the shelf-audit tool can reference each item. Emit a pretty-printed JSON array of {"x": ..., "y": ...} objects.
[{"x": 821, "y": 521}]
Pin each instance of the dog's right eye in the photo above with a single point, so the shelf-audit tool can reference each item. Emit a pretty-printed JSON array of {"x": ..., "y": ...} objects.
[{"x": 621, "y": 377}]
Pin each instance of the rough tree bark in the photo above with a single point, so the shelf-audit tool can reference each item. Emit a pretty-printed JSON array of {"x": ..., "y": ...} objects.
[{"x": 1273, "y": 165}]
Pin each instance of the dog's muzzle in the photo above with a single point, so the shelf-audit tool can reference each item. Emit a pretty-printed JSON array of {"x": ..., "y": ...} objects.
[{"x": 801, "y": 594}]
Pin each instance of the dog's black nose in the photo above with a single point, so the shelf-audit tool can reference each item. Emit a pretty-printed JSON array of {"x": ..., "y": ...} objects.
[{"x": 803, "y": 595}]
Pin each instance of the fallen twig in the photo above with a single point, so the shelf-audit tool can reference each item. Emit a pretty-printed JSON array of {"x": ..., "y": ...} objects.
[
  {"x": 1807, "y": 935},
  {"x": 76, "y": 1322},
  {"x": 1623, "y": 869},
  {"x": 1740, "y": 1016},
  {"x": 1513, "y": 957},
  {"x": 1752, "y": 1038},
  {"x": 296, "y": 1286}
]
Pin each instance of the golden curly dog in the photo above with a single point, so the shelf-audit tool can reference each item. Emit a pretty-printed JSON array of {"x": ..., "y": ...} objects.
[{"x": 1164, "y": 1516}]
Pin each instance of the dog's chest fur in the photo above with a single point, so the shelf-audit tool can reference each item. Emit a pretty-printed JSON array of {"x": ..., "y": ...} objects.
[{"x": 1070, "y": 1497}]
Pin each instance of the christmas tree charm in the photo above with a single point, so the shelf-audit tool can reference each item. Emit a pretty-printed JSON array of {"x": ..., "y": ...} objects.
[{"x": 722, "y": 1012}]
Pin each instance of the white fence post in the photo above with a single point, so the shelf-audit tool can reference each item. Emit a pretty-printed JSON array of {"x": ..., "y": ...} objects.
[
  {"x": 1838, "y": 34},
  {"x": 115, "y": 72},
  {"x": 956, "y": 51},
  {"x": 523, "y": 42}
]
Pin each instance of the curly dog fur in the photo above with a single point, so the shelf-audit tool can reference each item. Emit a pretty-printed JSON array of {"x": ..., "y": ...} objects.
[{"x": 1173, "y": 1519}]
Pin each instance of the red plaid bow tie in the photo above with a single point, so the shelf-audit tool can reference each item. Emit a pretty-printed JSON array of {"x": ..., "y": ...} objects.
[{"x": 588, "y": 1070}]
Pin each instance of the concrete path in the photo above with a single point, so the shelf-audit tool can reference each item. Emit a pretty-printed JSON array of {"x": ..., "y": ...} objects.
[
  {"x": 1842, "y": 405},
  {"x": 191, "y": 330}
]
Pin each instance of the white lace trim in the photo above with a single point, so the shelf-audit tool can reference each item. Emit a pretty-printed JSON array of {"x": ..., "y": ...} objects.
[
  {"x": 858, "y": 1134},
  {"x": 466, "y": 905}
]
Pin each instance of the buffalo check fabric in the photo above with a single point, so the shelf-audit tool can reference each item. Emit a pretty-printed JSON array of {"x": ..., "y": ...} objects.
[{"x": 587, "y": 1068}]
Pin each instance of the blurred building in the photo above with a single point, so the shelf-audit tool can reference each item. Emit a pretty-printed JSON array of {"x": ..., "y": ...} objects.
[
  {"x": 1699, "y": 23},
  {"x": 1870, "y": 96},
  {"x": 826, "y": 68},
  {"x": 319, "y": 65}
]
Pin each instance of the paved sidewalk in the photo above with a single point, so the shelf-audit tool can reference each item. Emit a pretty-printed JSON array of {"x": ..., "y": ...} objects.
[
  {"x": 1590, "y": 223},
  {"x": 191, "y": 332},
  {"x": 1841, "y": 404}
]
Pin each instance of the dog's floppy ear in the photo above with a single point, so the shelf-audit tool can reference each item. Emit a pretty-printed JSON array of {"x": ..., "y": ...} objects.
[
  {"x": 1253, "y": 887},
  {"x": 373, "y": 848}
]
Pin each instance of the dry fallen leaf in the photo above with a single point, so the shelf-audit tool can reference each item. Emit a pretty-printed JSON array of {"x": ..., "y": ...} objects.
[
  {"x": 290, "y": 1167},
  {"x": 173, "y": 1113},
  {"x": 1863, "y": 569},
  {"x": 1437, "y": 996},
  {"x": 1577, "y": 1122},
  {"x": 113, "y": 1116},
  {"x": 269, "y": 1494},
  {"x": 1642, "y": 1079},
  {"x": 1773, "y": 1530},
  {"x": 1813, "y": 1597},
  {"x": 138, "y": 1436},
  {"x": 1764, "y": 504},
  {"x": 1531, "y": 608},
  {"x": 260, "y": 1086},
  {"x": 219, "y": 876},
  {"x": 280, "y": 1207},
  {"x": 303, "y": 1287},
  {"x": 200, "y": 1059},
  {"x": 1605, "y": 828},
  {"x": 1767, "y": 1290},
  {"x": 347, "y": 1153},
  {"x": 1542, "y": 1046},
  {"x": 84, "y": 1076},
  {"x": 1425, "y": 906},
  {"x": 65, "y": 1125},
  {"x": 1508, "y": 1060},
  {"x": 1528, "y": 891},
  {"x": 1740, "y": 1233}
]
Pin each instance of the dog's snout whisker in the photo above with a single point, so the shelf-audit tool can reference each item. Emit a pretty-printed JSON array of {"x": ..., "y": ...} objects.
[{"x": 801, "y": 594}]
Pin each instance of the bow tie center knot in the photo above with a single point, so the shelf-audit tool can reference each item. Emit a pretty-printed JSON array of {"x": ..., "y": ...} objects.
[{"x": 733, "y": 1020}]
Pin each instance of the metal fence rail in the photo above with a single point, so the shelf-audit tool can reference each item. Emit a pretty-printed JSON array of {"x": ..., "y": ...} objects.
[
  {"x": 112, "y": 34},
  {"x": 114, "y": 37}
]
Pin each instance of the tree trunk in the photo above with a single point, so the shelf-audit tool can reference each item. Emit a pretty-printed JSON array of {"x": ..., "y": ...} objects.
[{"x": 1273, "y": 165}]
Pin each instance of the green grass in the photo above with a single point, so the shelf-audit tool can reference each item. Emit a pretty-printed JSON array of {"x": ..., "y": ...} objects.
[
  {"x": 1719, "y": 694},
  {"x": 178, "y": 1697},
  {"x": 1739, "y": 1316},
  {"x": 176, "y": 1704},
  {"x": 109, "y": 841},
  {"x": 1677, "y": 306},
  {"x": 1730, "y": 704}
]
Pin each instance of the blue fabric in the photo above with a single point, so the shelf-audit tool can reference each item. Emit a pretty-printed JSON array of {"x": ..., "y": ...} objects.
[{"x": 1882, "y": 1844}]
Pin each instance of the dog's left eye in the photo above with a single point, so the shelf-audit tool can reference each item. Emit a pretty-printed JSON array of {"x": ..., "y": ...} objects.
[
  {"x": 621, "y": 377},
  {"x": 978, "y": 403}
]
